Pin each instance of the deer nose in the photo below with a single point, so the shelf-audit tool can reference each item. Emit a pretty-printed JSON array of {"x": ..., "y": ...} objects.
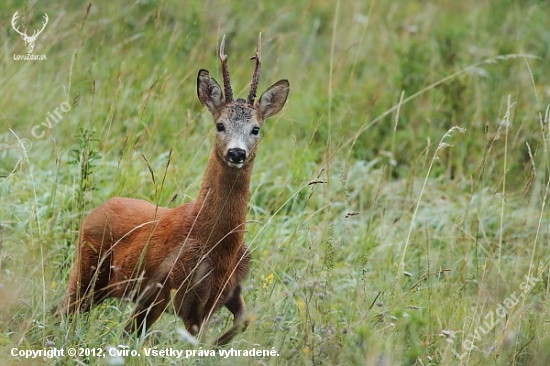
[{"x": 236, "y": 155}]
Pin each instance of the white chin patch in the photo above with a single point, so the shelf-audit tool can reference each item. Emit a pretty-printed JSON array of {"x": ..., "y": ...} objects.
[{"x": 235, "y": 165}]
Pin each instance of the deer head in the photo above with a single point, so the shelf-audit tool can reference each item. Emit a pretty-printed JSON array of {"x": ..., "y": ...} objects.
[
  {"x": 238, "y": 122},
  {"x": 29, "y": 40}
]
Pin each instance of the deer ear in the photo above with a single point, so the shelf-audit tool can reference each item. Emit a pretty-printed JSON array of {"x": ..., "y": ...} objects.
[
  {"x": 273, "y": 99},
  {"x": 209, "y": 92}
]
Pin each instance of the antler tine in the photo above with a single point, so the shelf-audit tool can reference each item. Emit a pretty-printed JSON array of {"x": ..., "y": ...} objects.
[
  {"x": 225, "y": 73},
  {"x": 43, "y": 25},
  {"x": 14, "y": 20},
  {"x": 45, "y": 22},
  {"x": 256, "y": 76}
]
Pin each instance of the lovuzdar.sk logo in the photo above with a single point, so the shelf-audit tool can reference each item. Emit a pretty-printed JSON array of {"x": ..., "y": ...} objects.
[{"x": 29, "y": 40}]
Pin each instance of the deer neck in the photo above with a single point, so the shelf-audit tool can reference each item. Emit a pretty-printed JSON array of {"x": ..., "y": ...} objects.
[{"x": 220, "y": 209}]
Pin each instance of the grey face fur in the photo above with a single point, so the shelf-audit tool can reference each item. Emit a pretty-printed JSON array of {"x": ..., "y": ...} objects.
[
  {"x": 240, "y": 133},
  {"x": 238, "y": 123}
]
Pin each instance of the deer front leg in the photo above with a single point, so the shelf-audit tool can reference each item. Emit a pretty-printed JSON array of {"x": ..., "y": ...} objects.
[
  {"x": 236, "y": 306},
  {"x": 149, "y": 308},
  {"x": 191, "y": 310},
  {"x": 191, "y": 301}
]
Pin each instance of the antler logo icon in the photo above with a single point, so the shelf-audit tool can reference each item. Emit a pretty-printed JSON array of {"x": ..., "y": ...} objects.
[{"x": 29, "y": 40}]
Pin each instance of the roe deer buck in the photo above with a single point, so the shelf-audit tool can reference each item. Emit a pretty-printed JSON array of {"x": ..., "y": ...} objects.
[{"x": 129, "y": 248}]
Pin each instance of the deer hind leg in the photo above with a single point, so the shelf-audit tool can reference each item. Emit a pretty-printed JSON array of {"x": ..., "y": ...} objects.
[
  {"x": 240, "y": 321},
  {"x": 150, "y": 306},
  {"x": 86, "y": 285},
  {"x": 73, "y": 299}
]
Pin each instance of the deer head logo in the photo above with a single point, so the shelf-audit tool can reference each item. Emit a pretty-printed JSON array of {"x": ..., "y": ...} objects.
[{"x": 29, "y": 40}]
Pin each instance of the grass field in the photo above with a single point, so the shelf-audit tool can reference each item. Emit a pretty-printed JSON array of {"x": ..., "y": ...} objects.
[{"x": 398, "y": 201}]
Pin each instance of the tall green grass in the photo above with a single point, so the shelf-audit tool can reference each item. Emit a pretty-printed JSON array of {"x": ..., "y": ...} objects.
[{"x": 400, "y": 196}]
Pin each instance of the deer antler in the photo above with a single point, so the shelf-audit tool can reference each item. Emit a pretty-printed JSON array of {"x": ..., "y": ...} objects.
[
  {"x": 35, "y": 34},
  {"x": 226, "y": 82},
  {"x": 256, "y": 76},
  {"x": 13, "y": 20}
]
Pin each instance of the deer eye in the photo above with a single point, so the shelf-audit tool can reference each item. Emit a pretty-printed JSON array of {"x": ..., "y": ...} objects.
[
  {"x": 220, "y": 127},
  {"x": 255, "y": 130}
]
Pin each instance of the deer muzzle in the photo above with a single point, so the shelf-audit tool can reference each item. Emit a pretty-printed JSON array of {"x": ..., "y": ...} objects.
[{"x": 235, "y": 157}]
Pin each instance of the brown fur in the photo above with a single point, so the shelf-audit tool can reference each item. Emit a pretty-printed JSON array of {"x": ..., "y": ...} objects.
[{"x": 130, "y": 248}]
